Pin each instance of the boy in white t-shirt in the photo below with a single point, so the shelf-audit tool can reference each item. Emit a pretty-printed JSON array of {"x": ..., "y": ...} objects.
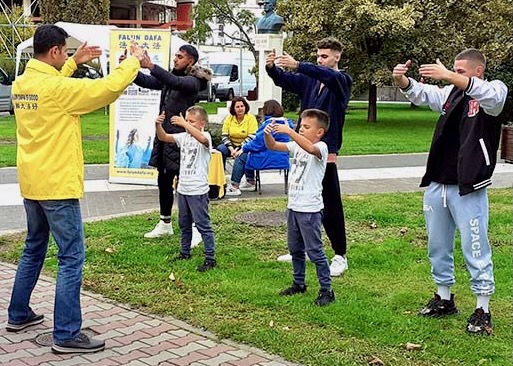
[
  {"x": 305, "y": 204},
  {"x": 193, "y": 185}
]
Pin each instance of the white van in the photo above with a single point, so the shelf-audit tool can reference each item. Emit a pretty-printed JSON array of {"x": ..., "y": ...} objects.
[
  {"x": 232, "y": 76},
  {"x": 5, "y": 92}
]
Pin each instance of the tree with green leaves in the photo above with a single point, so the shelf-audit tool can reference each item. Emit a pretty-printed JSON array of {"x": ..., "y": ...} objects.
[
  {"x": 224, "y": 12},
  {"x": 378, "y": 34},
  {"x": 75, "y": 11}
]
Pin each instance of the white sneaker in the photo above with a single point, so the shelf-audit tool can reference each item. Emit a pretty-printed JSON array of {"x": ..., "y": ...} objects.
[
  {"x": 196, "y": 237},
  {"x": 338, "y": 266},
  {"x": 232, "y": 191},
  {"x": 246, "y": 186},
  {"x": 161, "y": 229},
  {"x": 288, "y": 258}
]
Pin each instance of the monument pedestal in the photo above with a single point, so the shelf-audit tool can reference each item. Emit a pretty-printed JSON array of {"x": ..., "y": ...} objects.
[{"x": 265, "y": 43}]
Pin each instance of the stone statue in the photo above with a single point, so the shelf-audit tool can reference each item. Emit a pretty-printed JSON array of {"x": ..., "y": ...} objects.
[{"x": 270, "y": 22}]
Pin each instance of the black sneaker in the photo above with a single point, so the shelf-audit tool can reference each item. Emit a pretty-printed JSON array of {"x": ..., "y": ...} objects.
[
  {"x": 325, "y": 297},
  {"x": 34, "y": 320},
  {"x": 183, "y": 257},
  {"x": 293, "y": 290},
  {"x": 207, "y": 265},
  {"x": 81, "y": 344},
  {"x": 480, "y": 322},
  {"x": 436, "y": 307}
]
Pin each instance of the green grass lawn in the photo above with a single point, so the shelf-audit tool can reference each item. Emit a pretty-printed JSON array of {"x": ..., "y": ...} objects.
[
  {"x": 399, "y": 129},
  {"x": 377, "y": 301}
]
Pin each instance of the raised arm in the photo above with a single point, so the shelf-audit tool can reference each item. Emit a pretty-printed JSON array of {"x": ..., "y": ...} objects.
[
  {"x": 417, "y": 93},
  {"x": 302, "y": 141},
  {"x": 161, "y": 134},
  {"x": 196, "y": 133},
  {"x": 290, "y": 81},
  {"x": 270, "y": 142}
]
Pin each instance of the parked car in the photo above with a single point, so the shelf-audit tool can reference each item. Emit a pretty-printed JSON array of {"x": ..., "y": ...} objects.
[{"x": 5, "y": 92}]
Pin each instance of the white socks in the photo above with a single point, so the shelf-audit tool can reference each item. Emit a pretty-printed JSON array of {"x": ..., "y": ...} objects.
[
  {"x": 444, "y": 292},
  {"x": 482, "y": 302}
]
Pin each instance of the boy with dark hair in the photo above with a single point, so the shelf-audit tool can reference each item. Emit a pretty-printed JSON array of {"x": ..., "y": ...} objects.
[
  {"x": 325, "y": 87},
  {"x": 305, "y": 205},
  {"x": 195, "y": 145},
  {"x": 460, "y": 164}
]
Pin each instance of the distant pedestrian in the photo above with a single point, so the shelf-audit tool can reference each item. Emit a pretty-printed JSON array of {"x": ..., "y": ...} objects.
[{"x": 305, "y": 205}]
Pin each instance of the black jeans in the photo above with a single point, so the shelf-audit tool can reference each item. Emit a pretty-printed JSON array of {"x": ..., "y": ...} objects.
[
  {"x": 333, "y": 219},
  {"x": 165, "y": 183}
]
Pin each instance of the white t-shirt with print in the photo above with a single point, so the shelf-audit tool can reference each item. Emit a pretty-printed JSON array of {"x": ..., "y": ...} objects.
[
  {"x": 305, "y": 179},
  {"x": 194, "y": 161}
]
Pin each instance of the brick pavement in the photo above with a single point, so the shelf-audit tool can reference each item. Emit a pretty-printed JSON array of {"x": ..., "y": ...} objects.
[{"x": 132, "y": 338}]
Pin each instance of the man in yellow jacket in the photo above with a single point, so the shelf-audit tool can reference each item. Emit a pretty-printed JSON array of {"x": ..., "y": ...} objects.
[{"x": 48, "y": 105}]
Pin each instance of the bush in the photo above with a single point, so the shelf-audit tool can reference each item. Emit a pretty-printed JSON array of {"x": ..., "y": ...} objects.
[
  {"x": 290, "y": 101},
  {"x": 215, "y": 131}
]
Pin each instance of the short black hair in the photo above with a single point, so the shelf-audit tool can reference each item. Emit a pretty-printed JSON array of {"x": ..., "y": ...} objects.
[
  {"x": 48, "y": 36},
  {"x": 191, "y": 51},
  {"x": 239, "y": 99},
  {"x": 323, "y": 120}
]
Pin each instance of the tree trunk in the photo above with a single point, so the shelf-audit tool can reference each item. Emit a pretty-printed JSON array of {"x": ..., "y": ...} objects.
[{"x": 372, "y": 112}]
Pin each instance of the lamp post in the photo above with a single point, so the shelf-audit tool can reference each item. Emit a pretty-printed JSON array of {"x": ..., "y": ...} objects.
[{"x": 237, "y": 33}]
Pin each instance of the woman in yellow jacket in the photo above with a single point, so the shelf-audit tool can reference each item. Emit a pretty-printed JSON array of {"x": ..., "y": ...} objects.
[
  {"x": 48, "y": 106},
  {"x": 239, "y": 127}
]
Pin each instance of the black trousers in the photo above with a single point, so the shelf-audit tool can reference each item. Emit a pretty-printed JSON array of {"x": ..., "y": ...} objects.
[
  {"x": 165, "y": 183},
  {"x": 333, "y": 219}
]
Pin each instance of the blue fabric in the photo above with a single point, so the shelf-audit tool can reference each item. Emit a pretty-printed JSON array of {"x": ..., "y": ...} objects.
[
  {"x": 260, "y": 157},
  {"x": 63, "y": 219}
]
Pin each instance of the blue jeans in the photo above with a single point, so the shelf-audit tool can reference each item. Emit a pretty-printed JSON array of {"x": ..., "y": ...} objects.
[
  {"x": 239, "y": 166},
  {"x": 195, "y": 209},
  {"x": 304, "y": 234},
  {"x": 63, "y": 219}
]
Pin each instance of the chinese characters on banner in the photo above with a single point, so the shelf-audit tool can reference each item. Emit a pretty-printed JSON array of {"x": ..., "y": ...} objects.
[{"x": 132, "y": 116}]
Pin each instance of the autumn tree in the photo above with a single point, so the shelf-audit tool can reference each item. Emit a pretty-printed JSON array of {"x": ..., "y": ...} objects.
[
  {"x": 75, "y": 11},
  {"x": 224, "y": 12},
  {"x": 378, "y": 34}
]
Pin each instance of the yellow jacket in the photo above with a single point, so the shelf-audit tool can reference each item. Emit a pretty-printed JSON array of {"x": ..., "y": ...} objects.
[
  {"x": 235, "y": 133},
  {"x": 48, "y": 105}
]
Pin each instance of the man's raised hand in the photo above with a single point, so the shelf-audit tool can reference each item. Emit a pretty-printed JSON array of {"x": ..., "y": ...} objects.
[
  {"x": 435, "y": 71},
  {"x": 399, "y": 74},
  {"x": 85, "y": 53}
]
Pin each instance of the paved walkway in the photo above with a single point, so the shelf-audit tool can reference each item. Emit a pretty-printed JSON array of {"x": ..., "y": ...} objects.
[
  {"x": 138, "y": 339},
  {"x": 132, "y": 338}
]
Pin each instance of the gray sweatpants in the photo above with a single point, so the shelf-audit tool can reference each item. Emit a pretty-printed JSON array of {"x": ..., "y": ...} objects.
[{"x": 445, "y": 211}]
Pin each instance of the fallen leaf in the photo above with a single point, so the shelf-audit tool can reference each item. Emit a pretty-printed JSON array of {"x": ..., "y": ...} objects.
[
  {"x": 413, "y": 346},
  {"x": 285, "y": 328},
  {"x": 172, "y": 276},
  {"x": 190, "y": 309},
  {"x": 403, "y": 230},
  {"x": 376, "y": 361},
  {"x": 373, "y": 225},
  {"x": 110, "y": 250},
  {"x": 271, "y": 323}
]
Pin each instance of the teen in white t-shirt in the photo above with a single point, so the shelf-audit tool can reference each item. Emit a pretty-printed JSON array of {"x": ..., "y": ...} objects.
[
  {"x": 305, "y": 204},
  {"x": 193, "y": 185}
]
